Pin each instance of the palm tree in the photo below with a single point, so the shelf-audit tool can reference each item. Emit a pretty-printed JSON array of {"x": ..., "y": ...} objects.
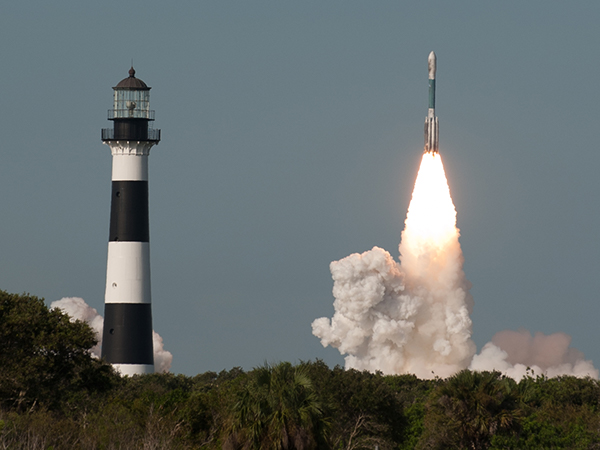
[
  {"x": 277, "y": 409},
  {"x": 469, "y": 409}
]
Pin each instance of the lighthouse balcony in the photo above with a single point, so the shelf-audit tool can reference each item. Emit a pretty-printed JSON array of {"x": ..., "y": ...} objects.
[{"x": 152, "y": 135}]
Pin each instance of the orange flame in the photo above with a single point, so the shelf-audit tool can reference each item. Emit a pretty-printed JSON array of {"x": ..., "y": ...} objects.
[{"x": 431, "y": 218}]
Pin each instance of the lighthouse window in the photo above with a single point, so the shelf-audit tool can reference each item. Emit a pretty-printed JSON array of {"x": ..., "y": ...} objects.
[{"x": 132, "y": 103}]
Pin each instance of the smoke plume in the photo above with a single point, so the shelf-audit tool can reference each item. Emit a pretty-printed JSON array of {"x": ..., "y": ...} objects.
[
  {"x": 78, "y": 309},
  {"x": 413, "y": 316},
  {"x": 518, "y": 354}
]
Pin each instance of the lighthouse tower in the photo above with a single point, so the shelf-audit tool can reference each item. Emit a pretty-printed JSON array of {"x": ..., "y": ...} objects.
[{"x": 127, "y": 336}]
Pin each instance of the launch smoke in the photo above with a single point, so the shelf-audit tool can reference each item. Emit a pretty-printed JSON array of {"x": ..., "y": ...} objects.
[
  {"x": 78, "y": 309},
  {"x": 413, "y": 316},
  {"x": 518, "y": 354}
]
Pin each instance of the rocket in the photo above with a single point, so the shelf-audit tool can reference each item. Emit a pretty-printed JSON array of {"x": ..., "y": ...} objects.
[{"x": 432, "y": 136}]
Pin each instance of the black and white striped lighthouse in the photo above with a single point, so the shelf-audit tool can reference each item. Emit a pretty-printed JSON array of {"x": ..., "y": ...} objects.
[{"x": 127, "y": 336}]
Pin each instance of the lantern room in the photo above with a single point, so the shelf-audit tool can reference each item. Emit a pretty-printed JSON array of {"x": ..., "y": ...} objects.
[{"x": 131, "y": 112}]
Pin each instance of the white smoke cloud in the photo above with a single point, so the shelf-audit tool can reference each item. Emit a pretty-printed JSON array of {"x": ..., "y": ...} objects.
[
  {"x": 385, "y": 320},
  {"x": 162, "y": 357},
  {"x": 413, "y": 316},
  {"x": 518, "y": 354},
  {"x": 78, "y": 309}
]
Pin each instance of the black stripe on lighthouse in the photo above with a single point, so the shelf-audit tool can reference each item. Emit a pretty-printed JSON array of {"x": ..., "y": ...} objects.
[
  {"x": 129, "y": 212},
  {"x": 127, "y": 333}
]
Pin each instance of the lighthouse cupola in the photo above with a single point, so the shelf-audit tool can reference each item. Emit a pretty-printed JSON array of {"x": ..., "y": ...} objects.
[{"x": 131, "y": 113}]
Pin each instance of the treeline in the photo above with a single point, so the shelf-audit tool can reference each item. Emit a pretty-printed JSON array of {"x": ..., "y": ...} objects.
[{"x": 53, "y": 395}]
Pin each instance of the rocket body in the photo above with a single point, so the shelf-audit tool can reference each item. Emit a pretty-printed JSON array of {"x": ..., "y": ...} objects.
[{"x": 432, "y": 136}]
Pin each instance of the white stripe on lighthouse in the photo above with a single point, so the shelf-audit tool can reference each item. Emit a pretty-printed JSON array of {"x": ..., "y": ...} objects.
[
  {"x": 128, "y": 273},
  {"x": 129, "y": 167}
]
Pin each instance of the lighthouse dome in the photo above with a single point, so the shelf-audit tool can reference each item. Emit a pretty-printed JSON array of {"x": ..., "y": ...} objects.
[{"x": 131, "y": 82}]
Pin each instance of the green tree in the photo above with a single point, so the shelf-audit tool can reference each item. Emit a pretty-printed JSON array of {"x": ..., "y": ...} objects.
[
  {"x": 44, "y": 357},
  {"x": 277, "y": 409},
  {"x": 412, "y": 394},
  {"x": 364, "y": 408},
  {"x": 208, "y": 411},
  {"x": 468, "y": 409},
  {"x": 559, "y": 412}
]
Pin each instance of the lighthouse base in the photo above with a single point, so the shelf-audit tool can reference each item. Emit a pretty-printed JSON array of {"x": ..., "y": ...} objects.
[{"x": 133, "y": 369}]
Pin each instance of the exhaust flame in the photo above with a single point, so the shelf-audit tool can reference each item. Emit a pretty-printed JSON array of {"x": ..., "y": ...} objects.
[
  {"x": 414, "y": 316},
  {"x": 431, "y": 217}
]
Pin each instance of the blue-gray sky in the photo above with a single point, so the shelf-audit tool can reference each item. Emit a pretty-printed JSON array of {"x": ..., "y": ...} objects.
[{"x": 291, "y": 137}]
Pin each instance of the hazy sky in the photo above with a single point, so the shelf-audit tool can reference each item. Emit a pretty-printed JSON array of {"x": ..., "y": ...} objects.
[{"x": 291, "y": 136}]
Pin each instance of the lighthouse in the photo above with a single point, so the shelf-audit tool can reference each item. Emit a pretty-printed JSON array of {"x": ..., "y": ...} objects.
[{"x": 127, "y": 335}]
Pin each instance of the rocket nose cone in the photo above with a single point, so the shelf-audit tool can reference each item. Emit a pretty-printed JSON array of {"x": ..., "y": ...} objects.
[{"x": 432, "y": 60}]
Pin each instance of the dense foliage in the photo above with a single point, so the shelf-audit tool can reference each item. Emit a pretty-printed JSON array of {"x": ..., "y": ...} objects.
[
  {"x": 53, "y": 394},
  {"x": 44, "y": 357}
]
